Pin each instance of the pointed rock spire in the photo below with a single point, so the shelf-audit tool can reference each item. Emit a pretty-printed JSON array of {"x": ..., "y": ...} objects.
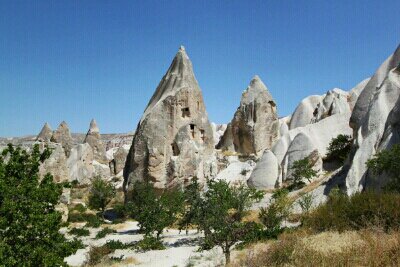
[
  {"x": 93, "y": 138},
  {"x": 174, "y": 139},
  {"x": 255, "y": 125},
  {"x": 45, "y": 134},
  {"x": 63, "y": 136}
]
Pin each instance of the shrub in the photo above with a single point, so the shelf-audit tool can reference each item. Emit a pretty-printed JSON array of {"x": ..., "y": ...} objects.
[
  {"x": 276, "y": 213},
  {"x": 97, "y": 254},
  {"x": 339, "y": 148},
  {"x": 91, "y": 219},
  {"x": 101, "y": 193},
  {"x": 29, "y": 222},
  {"x": 361, "y": 210},
  {"x": 192, "y": 203},
  {"x": 154, "y": 212},
  {"x": 305, "y": 202},
  {"x": 149, "y": 243},
  {"x": 79, "y": 232},
  {"x": 302, "y": 169},
  {"x": 104, "y": 232},
  {"x": 115, "y": 244},
  {"x": 221, "y": 215},
  {"x": 79, "y": 208},
  {"x": 388, "y": 161}
]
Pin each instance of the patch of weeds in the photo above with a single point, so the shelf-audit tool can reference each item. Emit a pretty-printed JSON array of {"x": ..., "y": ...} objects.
[
  {"x": 79, "y": 208},
  {"x": 79, "y": 231},
  {"x": 105, "y": 232},
  {"x": 91, "y": 219}
]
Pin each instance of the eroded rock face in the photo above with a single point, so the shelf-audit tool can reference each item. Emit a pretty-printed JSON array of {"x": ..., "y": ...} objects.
[
  {"x": 304, "y": 112},
  {"x": 45, "y": 134},
  {"x": 363, "y": 103},
  {"x": 119, "y": 158},
  {"x": 56, "y": 164},
  {"x": 93, "y": 138},
  {"x": 63, "y": 136},
  {"x": 334, "y": 102},
  {"x": 255, "y": 125},
  {"x": 265, "y": 174},
  {"x": 80, "y": 164},
  {"x": 376, "y": 125},
  {"x": 174, "y": 138}
]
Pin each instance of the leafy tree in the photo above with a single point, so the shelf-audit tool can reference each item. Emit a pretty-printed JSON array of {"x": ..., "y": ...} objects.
[
  {"x": 339, "y": 148},
  {"x": 277, "y": 212},
  {"x": 101, "y": 193},
  {"x": 154, "y": 211},
  {"x": 302, "y": 169},
  {"x": 192, "y": 203},
  {"x": 388, "y": 161},
  {"x": 221, "y": 215},
  {"x": 29, "y": 222}
]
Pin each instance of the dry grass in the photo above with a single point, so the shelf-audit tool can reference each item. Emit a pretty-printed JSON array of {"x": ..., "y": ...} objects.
[
  {"x": 368, "y": 247},
  {"x": 107, "y": 262}
]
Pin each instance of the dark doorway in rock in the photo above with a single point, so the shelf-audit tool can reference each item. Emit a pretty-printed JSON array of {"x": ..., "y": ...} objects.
[
  {"x": 185, "y": 113},
  {"x": 175, "y": 149},
  {"x": 202, "y": 134},
  {"x": 192, "y": 129}
]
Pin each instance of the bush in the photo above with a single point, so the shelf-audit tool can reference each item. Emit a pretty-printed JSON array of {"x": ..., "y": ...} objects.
[
  {"x": 97, "y": 254},
  {"x": 79, "y": 232},
  {"x": 305, "y": 202},
  {"x": 276, "y": 213},
  {"x": 116, "y": 244},
  {"x": 29, "y": 222},
  {"x": 105, "y": 232},
  {"x": 79, "y": 208},
  {"x": 101, "y": 193},
  {"x": 154, "y": 212},
  {"x": 149, "y": 243},
  {"x": 339, "y": 148},
  {"x": 302, "y": 169},
  {"x": 388, "y": 161},
  {"x": 192, "y": 203},
  {"x": 91, "y": 219},
  {"x": 362, "y": 210}
]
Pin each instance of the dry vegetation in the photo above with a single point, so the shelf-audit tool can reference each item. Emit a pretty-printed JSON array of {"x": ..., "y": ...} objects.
[{"x": 368, "y": 247}]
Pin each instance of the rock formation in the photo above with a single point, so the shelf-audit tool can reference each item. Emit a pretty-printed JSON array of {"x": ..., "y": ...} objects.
[
  {"x": 309, "y": 141},
  {"x": 45, "y": 134},
  {"x": 334, "y": 102},
  {"x": 93, "y": 138},
  {"x": 254, "y": 126},
  {"x": 80, "y": 164},
  {"x": 374, "y": 121},
  {"x": 174, "y": 139},
  {"x": 304, "y": 112},
  {"x": 56, "y": 164},
  {"x": 63, "y": 136}
]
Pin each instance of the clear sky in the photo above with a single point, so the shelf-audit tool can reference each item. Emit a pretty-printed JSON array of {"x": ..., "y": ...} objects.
[{"x": 78, "y": 60}]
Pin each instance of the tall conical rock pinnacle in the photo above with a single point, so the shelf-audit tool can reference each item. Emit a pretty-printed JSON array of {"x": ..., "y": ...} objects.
[
  {"x": 174, "y": 139},
  {"x": 45, "y": 134},
  {"x": 93, "y": 138},
  {"x": 63, "y": 136},
  {"x": 254, "y": 126}
]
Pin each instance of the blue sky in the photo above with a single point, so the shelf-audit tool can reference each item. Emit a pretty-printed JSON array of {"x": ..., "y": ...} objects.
[{"x": 77, "y": 60}]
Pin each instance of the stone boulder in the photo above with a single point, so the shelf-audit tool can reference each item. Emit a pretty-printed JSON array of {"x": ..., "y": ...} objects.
[
  {"x": 93, "y": 138},
  {"x": 265, "y": 174},
  {"x": 63, "y": 136},
  {"x": 255, "y": 125},
  {"x": 80, "y": 164},
  {"x": 304, "y": 112},
  {"x": 174, "y": 139},
  {"x": 45, "y": 134}
]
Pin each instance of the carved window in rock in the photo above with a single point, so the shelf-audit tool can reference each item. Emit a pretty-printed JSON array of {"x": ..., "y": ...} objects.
[
  {"x": 192, "y": 126},
  {"x": 273, "y": 105},
  {"x": 175, "y": 149},
  {"x": 185, "y": 112},
  {"x": 202, "y": 135}
]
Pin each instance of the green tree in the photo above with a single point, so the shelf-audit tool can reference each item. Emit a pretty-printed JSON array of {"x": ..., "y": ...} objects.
[
  {"x": 339, "y": 148},
  {"x": 276, "y": 213},
  {"x": 221, "y": 215},
  {"x": 154, "y": 211},
  {"x": 388, "y": 161},
  {"x": 101, "y": 194},
  {"x": 302, "y": 169},
  {"x": 29, "y": 222},
  {"x": 192, "y": 204}
]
